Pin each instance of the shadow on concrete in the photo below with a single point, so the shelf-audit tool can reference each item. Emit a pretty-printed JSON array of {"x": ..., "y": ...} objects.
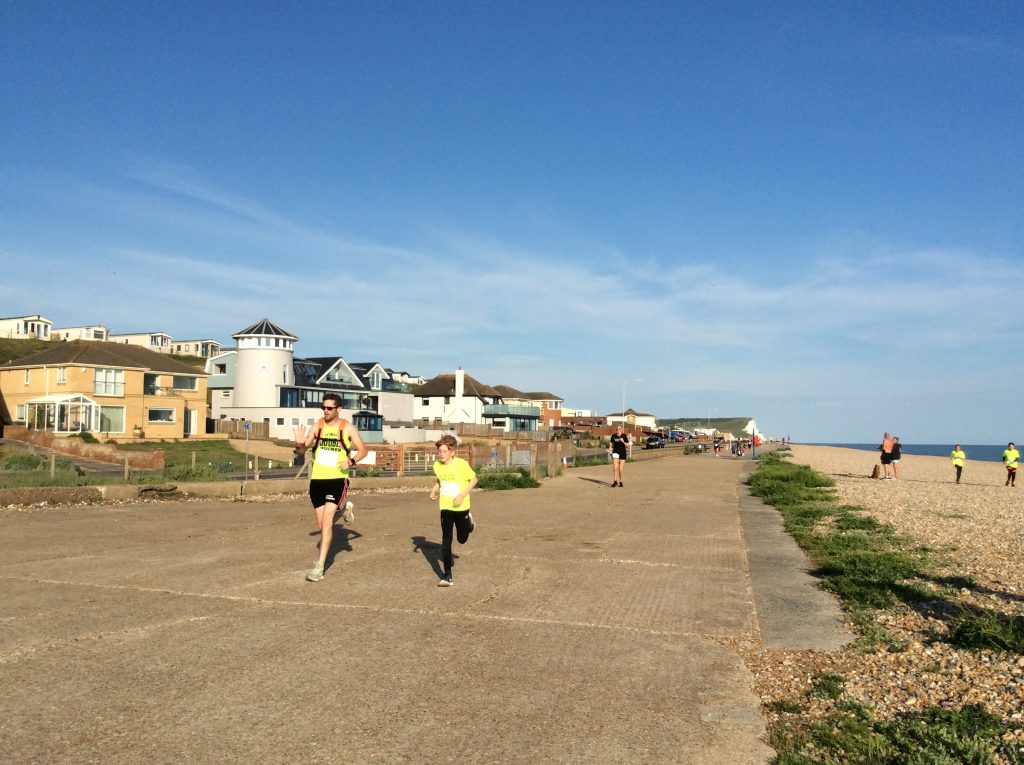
[
  {"x": 431, "y": 553},
  {"x": 341, "y": 541},
  {"x": 595, "y": 480}
]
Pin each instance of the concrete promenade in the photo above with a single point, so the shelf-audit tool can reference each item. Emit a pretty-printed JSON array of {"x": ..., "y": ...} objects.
[{"x": 586, "y": 625}]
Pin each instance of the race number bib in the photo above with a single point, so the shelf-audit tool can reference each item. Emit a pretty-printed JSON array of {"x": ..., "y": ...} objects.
[
  {"x": 449, "y": 489},
  {"x": 326, "y": 458}
]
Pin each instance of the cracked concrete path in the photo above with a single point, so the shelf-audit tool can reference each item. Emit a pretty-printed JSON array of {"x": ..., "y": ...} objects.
[{"x": 587, "y": 625}]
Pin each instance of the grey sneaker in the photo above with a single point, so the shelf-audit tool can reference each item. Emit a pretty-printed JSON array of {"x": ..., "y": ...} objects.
[
  {"x": 445, "y": 581},
  {"x": 316, "y": 574},
  {"x": 346, "y": 513},
  {"x": 472, "y": 523}
]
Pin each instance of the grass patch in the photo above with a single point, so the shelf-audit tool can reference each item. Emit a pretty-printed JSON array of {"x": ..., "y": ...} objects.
[
  {"x": 505, "y": 478},
  {"x": 870, "y": 568},
  {"x": 967, "y": 736},
  {"x": 978, "y": 629},
  {"x": 862, "y": 561},
  {"x": 828, "y": 686}
]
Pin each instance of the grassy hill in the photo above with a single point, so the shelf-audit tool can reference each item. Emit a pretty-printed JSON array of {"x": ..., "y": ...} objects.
[
  {"x": 732, "y": 425},
  {"x": 11, "y": 348}
]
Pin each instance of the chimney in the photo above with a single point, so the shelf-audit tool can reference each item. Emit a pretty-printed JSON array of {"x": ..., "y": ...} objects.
[{"x": 460, "y": 386}]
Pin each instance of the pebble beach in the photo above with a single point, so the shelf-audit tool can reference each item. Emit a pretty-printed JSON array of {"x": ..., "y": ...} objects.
[{"x": 975, "y": 529}]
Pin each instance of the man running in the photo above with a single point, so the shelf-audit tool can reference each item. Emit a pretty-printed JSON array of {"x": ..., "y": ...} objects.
[{"x": 332, "y": 440}]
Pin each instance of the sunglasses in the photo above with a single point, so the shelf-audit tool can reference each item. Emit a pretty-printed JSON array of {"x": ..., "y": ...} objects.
[{"x": 328, "y": 408}]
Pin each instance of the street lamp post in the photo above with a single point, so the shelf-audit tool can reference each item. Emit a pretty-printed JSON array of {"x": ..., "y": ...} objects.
[{"x": 623, "y": 410}]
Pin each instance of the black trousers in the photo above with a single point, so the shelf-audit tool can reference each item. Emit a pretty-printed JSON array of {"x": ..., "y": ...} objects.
[
  {"x": 959, "y": 469},
  {"x": 457, "y": 521}
]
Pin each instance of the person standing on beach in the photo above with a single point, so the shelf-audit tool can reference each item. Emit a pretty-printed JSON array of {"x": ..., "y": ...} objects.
[
  {"x": 958, "y": 457},
  {"x": 455, "y": 481},
  {"x": 1010, "y": 458},
  {"x": 620, "y": 446},
  {"x": 886, "y": 449},
  {"x": 897, "y": 452},
  {"x": 332, "y": 440}
]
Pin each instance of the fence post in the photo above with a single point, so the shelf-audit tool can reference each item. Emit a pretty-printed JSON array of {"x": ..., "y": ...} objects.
[
  {"x": 126, "y": 468},
  {"x": 400, "y": 466},
  {"x": 533, "y": 461},
  {"x": 53, "y": 466},
  {"x": 193, "y": 462}
]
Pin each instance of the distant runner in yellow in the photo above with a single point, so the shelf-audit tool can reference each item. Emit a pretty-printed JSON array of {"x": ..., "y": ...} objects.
[
  {"x": 1010, "y": 458},
  {"x": 958, "y": 457},
  {"x": 332, "y": 440}
]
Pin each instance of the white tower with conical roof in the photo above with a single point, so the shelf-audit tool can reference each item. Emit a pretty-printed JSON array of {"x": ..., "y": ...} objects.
[{"x": 265, "y": 355}]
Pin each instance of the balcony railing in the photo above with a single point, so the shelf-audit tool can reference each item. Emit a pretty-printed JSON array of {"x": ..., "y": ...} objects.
[{"x": 509, "y": 410}]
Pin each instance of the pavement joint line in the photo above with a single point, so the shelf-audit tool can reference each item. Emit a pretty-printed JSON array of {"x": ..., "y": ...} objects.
[
  {"x": 712, "y": 637},
  {"x": 95, "y": 636}
]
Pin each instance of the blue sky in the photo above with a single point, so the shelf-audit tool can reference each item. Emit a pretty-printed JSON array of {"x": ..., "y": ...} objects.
[{"x": 810, "y": 213}]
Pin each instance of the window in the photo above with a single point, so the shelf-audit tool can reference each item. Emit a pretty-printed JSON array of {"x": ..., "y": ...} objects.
[
  {"x": 151, "y": 384},
  {"x": 108, "y": 382},
  {"x": 160, "y": 415},
  {"x": 280, "y": 420},
  {"x": 185, "y": 382},
  {"x": 225, "y": 394},
  {"x": 28, "y": 373},
  {"x": 221, "y": 369},
  {"x": 425, "y": 401},
  {"x": 21, "y": 412},
  {"x": 62, "y": 374},
  {"x": 447, "y": 399},
  {"x": 295, "y": 421},
  {"x": 112, "y": 419}
]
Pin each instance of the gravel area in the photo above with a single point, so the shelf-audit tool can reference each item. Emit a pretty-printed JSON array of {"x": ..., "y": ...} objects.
[{"x": 975, "y": 529}]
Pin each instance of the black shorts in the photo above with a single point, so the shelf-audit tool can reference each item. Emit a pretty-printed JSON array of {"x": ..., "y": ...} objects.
[
  {"x": 324, "y": 491},
  {"x": 886, "y": 458}
]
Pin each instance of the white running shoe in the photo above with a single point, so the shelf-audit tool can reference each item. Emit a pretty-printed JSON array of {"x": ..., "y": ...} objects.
[{"x": 347, "y": 515}]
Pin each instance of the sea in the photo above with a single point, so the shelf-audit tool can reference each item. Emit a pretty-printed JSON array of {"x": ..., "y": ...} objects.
[{"x": 978, "y": 452}]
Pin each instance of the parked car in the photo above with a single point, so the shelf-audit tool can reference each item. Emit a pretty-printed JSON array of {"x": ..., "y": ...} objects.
[{"x": 655, "y": 442}]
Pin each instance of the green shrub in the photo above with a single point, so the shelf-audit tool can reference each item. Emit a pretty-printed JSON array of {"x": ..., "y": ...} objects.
[
  {"x": 23, "y": 461},
  {"x": 198, "y": 474},
  {"x": 505, "y": 478}
]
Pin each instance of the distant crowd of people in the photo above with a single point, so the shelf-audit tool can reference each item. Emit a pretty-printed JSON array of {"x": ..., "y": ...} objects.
[{"x": 891, "y": 452}]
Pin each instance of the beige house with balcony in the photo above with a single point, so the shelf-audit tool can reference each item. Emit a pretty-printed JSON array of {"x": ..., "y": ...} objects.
[
  {"x": 34, "y": 327},
  {"x": 112, "y": 390}
]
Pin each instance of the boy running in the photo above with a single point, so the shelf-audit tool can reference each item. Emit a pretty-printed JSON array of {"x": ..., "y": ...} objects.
[
  {"x": 332, "y": 440},
  {"x": 455, "y": 481}
]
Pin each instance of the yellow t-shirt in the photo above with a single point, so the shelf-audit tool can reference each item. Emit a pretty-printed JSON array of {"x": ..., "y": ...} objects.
[
  {"x": 1010, "y": 458},
  {"x": 454, "y": 478},
  {"x": 330, "y": 452}
]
